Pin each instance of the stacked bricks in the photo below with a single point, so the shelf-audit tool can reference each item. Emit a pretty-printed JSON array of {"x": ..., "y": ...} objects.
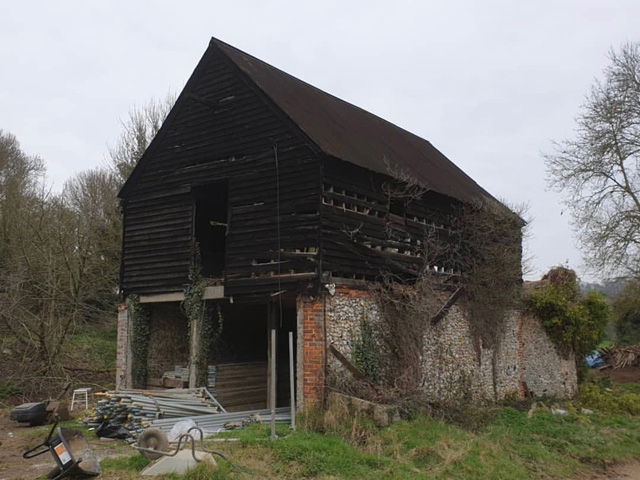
[{"x": 314, "y": 350}]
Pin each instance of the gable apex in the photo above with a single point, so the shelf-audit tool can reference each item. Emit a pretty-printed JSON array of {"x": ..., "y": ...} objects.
[{"x": 334, "y": 127}]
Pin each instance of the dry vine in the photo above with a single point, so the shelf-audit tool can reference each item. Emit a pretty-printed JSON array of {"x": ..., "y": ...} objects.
[{"x": 483, "y": 246}]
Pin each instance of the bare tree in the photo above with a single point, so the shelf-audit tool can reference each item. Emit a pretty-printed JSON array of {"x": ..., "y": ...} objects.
[
  {"x": 59, "y": 264},
  {"x": 19, "y": 177},
  {"x": 598, "y": 170},
  {"x": 137, "y": 132}
]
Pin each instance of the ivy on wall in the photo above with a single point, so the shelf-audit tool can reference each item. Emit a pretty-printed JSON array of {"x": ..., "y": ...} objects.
[
  {"x": 140, "y": 333},
  {"x": 200, "y": 313},
  {"x": 366, "y": 354}
]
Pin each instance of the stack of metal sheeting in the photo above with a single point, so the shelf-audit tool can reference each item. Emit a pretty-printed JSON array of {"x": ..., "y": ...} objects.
[
  {"x": 212, "y": 424},
  {"x": 135, "y": 409}
]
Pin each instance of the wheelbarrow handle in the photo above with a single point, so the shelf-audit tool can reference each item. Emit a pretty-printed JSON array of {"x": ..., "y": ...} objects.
[{"x": 33, "y": 452}]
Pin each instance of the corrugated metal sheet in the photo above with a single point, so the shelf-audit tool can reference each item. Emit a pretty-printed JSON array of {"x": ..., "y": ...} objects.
[{"x": 352, "y": 134}]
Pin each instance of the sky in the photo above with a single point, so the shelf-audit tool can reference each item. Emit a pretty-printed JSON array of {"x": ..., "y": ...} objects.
[{"x": 490, "y": 83}]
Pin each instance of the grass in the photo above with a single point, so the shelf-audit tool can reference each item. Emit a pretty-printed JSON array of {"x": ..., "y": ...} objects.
[
  {"x": 134, "y": 463},
  {"x": 511, "y": 444},
  {"x": 97, "y": 344}
]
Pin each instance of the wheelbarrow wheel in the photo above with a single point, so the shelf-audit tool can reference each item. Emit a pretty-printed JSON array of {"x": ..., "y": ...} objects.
[{"x": 153, "y": 439}]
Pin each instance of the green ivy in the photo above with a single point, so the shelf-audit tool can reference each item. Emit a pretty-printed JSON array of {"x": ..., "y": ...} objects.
[
  {"x": 140, "y": 333},
  {"x": 366, "y": 354},
  {"x": 197, "y": 309},
  {"x": 575, "y": 324}
]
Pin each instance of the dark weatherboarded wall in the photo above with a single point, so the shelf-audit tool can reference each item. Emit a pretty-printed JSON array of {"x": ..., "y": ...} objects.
[
  {"x": 223, "y": 129},
  {"x": 368, "y": 227}
]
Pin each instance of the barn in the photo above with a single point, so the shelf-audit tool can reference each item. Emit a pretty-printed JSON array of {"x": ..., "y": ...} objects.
[{"x": 274, "y": 204}]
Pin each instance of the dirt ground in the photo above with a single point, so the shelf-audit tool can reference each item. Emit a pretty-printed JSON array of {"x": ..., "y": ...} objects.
[
  {"x": 17, "y": 438},
  {"x": 629, "y": 471},
  {"x": 622, "y": 375}
]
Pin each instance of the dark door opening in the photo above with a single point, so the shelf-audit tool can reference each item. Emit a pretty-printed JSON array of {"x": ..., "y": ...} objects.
[{"x": 212, "y": 212}]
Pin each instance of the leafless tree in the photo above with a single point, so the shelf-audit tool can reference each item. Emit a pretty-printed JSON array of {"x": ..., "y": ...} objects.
[
  {"x": 137, "y": 132},
  {"x": 19, "y": 178},
  {"x": 598, "y": 170},
  {"x": 60, "y": 257}
]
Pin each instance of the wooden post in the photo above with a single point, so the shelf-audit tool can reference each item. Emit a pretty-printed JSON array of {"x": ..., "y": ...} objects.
[
  {"x": 292, "y": 387},
  {"x": 273, "y": 384},
  {"x": 194, "y": 350},
  {"x": 271, "y": 324}
]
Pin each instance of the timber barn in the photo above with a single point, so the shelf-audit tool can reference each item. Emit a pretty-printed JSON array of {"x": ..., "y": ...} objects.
[{"x": 267, "y": 199}]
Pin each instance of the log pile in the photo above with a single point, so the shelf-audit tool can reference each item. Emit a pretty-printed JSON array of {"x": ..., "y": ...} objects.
[{"x": 621, "y": 357}]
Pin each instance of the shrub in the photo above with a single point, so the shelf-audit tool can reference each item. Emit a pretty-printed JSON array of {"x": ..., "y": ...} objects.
[
  {"x": 8, "y": 389},
  {"x": 628, "y": 328},
  {"x": 575, "y": 324},
  {"x": 626, "y": 315},
  {"x": 593, "y": 395}
]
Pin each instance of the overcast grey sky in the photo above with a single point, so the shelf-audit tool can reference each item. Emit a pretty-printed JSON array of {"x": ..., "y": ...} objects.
[{"x": 490, "y": 83}]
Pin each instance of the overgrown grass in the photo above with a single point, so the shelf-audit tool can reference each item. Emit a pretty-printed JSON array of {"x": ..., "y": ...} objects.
[
  {"x": 512, "y": 443},
  {"x": 8, "y": 389},
  {"x": 605, "y": 344},
  {"x": 134, "y": 463},
  {"x": 96, "y": 345},
  {"x": 513, "y": 446}
]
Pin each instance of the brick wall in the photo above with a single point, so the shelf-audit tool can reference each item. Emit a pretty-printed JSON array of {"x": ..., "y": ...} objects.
[{"x": 313, "y": 350}]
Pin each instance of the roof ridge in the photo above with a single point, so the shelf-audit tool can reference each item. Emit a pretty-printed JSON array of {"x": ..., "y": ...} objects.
[
  {"x": 219, "y": 42},
  {"x": 350, "y": 133}
]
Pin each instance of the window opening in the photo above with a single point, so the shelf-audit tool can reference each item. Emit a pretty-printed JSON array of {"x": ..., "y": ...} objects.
[{"x": 211, "y": 226}]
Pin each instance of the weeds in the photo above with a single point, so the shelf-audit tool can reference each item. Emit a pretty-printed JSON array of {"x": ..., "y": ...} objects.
[
  {"x": 606, "y": 400},
  {"x": 134, "y": 463},
  {"x": 8, "y": 389},
  {"x": 488, "y": 443}
]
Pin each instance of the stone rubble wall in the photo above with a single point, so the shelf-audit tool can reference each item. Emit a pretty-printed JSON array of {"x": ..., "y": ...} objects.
[
  {"x": 123, "y": 352},
  {"x": 545, "y": 372},
  {"x": 454, "y": 368},
  {"x": 345, "y": 312}
]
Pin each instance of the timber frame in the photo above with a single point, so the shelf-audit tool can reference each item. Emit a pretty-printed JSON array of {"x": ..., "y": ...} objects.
[{"x": 300, "y": 183}]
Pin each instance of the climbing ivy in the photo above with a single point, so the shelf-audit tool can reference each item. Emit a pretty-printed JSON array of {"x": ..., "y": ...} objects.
[
  {"x": 140, "y": 333},
  {"x": 366, "y": 351},
  {"x": 197, "y": 309}
]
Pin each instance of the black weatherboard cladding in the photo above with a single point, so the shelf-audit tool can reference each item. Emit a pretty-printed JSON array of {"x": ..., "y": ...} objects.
[
  {"x": 234, "y": 118},
  {"x": 220, "y": 129}
]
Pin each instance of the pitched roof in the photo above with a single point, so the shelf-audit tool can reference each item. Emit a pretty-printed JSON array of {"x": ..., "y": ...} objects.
[
  {"x": 337, "y": 128},
  {"x": 354, "y": 135}
]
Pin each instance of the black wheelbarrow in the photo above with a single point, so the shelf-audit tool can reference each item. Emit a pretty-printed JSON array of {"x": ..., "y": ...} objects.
[{"x": 71, "y": 452}]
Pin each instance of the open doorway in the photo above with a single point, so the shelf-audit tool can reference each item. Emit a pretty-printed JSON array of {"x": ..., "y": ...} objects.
[
  {"x": 211, "y": 225},
  {"x": 240, "y": 360}
]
